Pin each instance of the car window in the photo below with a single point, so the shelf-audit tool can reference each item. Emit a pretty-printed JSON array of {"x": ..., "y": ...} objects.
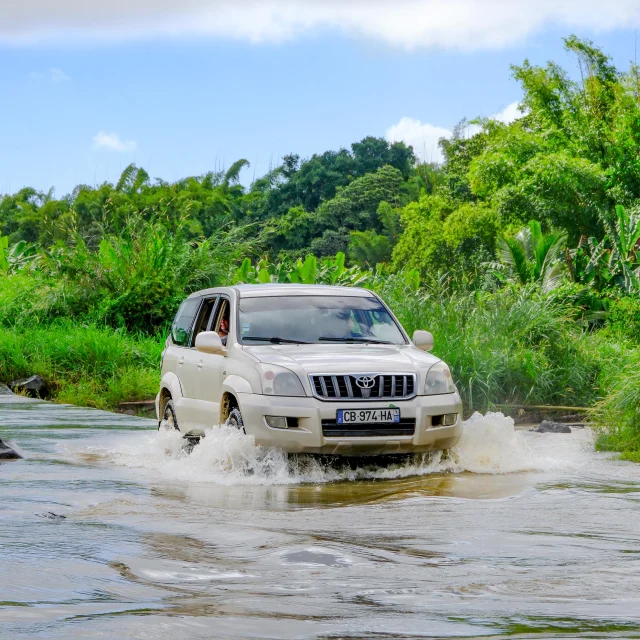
[
  {"x": 317, "y": 319},
  {"x": 204, "y": 317},
  {"x": 181, "y": 330},
  {"x": 221, "y": 321},
  {"x": 222, "y": 313}
]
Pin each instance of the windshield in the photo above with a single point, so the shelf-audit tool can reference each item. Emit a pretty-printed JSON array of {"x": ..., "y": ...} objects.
[{"x": 316, "y": 319}]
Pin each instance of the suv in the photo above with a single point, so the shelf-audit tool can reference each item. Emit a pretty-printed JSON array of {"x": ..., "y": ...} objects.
[{"x": 309, "y": 369}]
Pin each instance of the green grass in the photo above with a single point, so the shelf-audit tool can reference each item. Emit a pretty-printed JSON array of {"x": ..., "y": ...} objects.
[
  {"x": 617, "y": 415},
  {"x": 630, "y": 456},
  {"x": 84, "y": 365}
]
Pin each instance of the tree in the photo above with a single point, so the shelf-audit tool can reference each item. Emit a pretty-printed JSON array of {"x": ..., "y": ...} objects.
[
  {"x": 370, "y": 154},
  {"x": 355, "y": 206},
  {"x": 421, "y": 245}
]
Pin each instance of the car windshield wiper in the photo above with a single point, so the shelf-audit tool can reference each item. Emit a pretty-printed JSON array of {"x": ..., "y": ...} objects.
[
  {"x": 273, "y": 340},
  {"x": 369, "y": 340}
]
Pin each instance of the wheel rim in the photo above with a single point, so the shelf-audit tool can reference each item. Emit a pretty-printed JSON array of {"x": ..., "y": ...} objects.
[
  {"x": 235, "y": 420},
  {"x": 168, "y": 420}
]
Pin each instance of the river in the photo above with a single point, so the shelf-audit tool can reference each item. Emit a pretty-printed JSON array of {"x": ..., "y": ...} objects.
[{"x": 109, "y": 529}]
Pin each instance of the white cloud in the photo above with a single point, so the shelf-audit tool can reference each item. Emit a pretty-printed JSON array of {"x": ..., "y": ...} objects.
[
  {"x": 423, "y": 137},
  {"x": 113, "y": 142},
  {"x": 449, "y": 24},
  {"x": 509, "y": 114}
]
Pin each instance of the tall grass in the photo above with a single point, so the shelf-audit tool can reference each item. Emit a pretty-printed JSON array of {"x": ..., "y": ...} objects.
[
  {"x": 617, "y": 415},
  {"x": 84, "y": 365},
  {"x": 514, "y": 345}
]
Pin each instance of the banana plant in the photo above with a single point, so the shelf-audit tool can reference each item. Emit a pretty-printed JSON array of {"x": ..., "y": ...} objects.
[
  {"x": 309, "y": 271},
  {"x": 614, "y": 260},
  {"x": 624, "y": 238},
  {"x": 330, "y": 271}
]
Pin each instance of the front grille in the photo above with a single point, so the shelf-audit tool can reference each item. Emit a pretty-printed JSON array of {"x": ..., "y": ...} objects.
[
  {"x": 374, "y": 386},
  {"x": 331, "y": 429}
]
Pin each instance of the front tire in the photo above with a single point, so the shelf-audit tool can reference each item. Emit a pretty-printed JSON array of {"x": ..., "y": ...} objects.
[
  {"x": 169, "y": 420},
  {"x": 235, "y": 420}
]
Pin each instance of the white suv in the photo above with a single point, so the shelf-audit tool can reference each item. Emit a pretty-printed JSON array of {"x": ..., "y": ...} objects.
[{"x": 310, "y": 369}]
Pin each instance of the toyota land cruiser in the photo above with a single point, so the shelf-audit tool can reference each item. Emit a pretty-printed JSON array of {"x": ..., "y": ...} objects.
[{"x": 309, "y": 369}]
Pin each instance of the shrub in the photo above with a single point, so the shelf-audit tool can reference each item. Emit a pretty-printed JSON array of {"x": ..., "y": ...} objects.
[
  {"x": 624, "y": 317},
  {"x": 135, "y": 279}
]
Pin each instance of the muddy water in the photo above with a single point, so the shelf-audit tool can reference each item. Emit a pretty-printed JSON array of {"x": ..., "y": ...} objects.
[{"x": 110, "y": 530}]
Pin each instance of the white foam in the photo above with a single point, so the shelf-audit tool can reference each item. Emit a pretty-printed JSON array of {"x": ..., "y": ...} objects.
[{"x": 489, "y": 445}]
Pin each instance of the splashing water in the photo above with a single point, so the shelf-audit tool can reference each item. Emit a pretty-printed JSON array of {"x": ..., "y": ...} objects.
[{"x": 489, "y": 445}]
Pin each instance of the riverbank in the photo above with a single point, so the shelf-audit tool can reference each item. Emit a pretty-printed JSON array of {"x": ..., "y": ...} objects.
[{"x": 88, "y": 366}]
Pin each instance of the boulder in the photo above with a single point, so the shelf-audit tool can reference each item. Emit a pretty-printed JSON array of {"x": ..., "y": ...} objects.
[
  {"x": 548, "y": 426},
  {"x": 7, "y": 453},
  {"x": 33, "y": 386}
]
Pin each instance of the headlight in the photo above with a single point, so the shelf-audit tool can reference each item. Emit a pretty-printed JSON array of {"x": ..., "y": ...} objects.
[
  {"x": 439, "y": 380},
  {"x": 278, "y": 381}
]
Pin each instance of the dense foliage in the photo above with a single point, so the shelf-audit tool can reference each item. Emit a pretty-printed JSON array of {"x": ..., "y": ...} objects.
[{"x": 521, "y": 251}]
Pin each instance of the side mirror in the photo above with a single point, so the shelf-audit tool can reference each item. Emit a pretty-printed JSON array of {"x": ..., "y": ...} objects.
[
  {"x": 210, "y": 342},
  {"x": 423, "y": 340}
]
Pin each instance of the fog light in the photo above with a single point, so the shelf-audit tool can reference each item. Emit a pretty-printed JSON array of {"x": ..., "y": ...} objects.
[
  {"x": 276, "y": 422},
  {"x": 446, "y": 420}
]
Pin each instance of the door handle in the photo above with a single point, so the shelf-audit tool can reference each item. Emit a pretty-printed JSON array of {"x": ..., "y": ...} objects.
[
  {"x": 181, "y": 361},
  {"x": 200, "y": 364}
]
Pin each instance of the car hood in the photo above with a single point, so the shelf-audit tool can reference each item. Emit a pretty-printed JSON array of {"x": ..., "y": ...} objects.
[{"x": 344, "y": 358}]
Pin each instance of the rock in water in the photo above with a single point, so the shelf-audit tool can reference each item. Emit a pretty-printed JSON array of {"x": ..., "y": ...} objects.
[
  {"x": 548, "y": 426},
  {"x": 49, "y": 515},
  {"x": 33, "y": 386},
  {"x": 7, "y": 453}
]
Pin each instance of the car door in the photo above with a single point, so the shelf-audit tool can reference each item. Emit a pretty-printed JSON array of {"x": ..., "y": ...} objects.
[
  {"x": 178, "y": 352},
  {"x": 196, "y": 412},
  {"x": 208, "y": 385}
]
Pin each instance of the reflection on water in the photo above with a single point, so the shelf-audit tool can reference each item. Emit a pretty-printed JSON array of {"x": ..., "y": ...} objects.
[
  {"x": 345, "y": 493},
  {"x": 110, "y": 530}
]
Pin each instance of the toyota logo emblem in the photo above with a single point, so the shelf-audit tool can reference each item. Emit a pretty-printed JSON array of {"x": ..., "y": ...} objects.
[{"x": 365, "y": 382}]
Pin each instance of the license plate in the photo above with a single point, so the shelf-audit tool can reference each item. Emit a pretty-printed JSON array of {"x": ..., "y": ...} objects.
[{"x": 368, "y": 416}]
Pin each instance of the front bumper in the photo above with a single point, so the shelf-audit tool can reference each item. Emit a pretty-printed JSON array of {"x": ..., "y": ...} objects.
[{"x": 308, "y": 436}]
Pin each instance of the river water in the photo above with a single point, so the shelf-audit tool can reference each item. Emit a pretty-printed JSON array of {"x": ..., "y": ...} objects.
[{"x": 109, "y": 529}]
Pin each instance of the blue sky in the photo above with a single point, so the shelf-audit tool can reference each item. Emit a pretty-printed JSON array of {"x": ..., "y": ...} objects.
[{"x": 81, "y": 100}]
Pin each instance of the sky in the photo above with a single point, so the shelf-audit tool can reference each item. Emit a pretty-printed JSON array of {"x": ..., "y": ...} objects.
[{"x": 183, "y": 87}]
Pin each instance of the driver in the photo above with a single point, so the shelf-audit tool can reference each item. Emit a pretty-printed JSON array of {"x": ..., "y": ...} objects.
[{"x": 223, "y": 332}]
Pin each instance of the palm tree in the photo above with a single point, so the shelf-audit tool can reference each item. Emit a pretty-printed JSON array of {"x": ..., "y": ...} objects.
[{"x": 534, "y": 255}]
